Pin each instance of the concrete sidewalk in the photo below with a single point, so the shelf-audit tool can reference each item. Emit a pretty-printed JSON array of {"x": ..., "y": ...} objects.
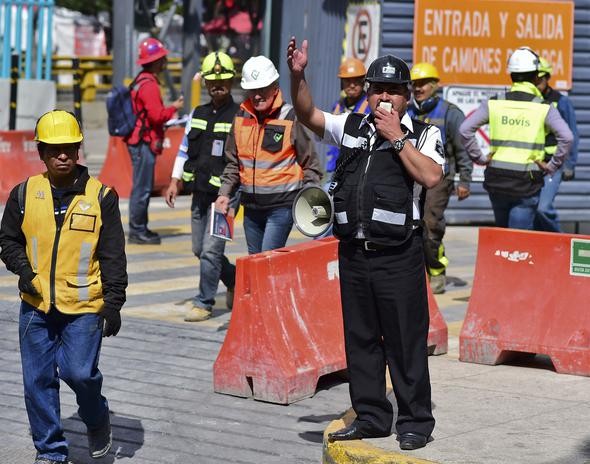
[{"x": 522, "y": 413}]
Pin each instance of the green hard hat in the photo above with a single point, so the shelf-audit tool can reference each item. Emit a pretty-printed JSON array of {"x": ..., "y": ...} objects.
[
  {"x": 217, "y": 66},
  {"x": 544, "y": 67}
]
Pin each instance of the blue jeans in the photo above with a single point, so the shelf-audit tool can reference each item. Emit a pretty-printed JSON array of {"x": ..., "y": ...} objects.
[
  {"x": 513, "y": 212},
  {"x": 546, "y": 219},
  {"x": 143, "y": 161},
  {"x": 267, "y": 229},
  {"x": 55, "y": 346},
  {"x": 214, "y": 264}
]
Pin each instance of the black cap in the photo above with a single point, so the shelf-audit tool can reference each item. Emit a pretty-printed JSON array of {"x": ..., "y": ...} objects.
[{"x": 390, "y": 70}]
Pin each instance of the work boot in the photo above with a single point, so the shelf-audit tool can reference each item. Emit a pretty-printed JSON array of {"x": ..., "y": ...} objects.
[
  {"x": 229, "y": 298},
  {"x": 198, "y": 314},
  {"x": 438, "y": 283},
  {"x": 151, "y": 233},
  {"x": 100, "y": 440},
  {"x": 144, "y": 239}
]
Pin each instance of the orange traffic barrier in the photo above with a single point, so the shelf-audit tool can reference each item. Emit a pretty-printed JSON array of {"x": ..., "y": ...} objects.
[
  {"x": 529, "y": 295},
  {"x": 19, "y": 159},
  {"x": 286, "y": 327},
  {"x": 117, "y": 171}
]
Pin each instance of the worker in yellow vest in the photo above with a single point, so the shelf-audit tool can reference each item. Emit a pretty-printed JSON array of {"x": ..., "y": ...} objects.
[
  {"x": 61, "y": 233},
  {"x": 515, "y": 164}
]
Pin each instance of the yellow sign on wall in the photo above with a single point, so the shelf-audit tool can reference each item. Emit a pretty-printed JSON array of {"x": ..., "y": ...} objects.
[{"x": 470, "y": 41}]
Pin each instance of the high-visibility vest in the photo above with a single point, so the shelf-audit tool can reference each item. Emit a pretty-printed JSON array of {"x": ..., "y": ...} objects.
[
  {"x": 517, "y": 130},
  {"x": 550, "y": 141},
  {"x": 68, "y": 271},
  {"x": 269, "y": 172}
]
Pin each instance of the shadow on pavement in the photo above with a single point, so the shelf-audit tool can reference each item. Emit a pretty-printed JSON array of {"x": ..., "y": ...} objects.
[{"x": 128, "y": 438}]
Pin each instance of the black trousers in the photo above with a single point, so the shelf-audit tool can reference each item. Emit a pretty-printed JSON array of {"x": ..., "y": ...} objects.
[{"x": 385, "y": 311}]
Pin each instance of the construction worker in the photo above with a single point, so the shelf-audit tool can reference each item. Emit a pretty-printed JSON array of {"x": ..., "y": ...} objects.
[
  {"x": 515, "y": 164},
  {"x": 146, "y": 140},
  {"x": 199, "y": 163},
  {"x": 270, "y": 157},
  {"x": 354, "y": 100},
  {"x": 427, "y": 106},
  {"x": 62, "y": 235},
  {"x": 387, "y": 160},
  {"x": 546, "y": 218}
]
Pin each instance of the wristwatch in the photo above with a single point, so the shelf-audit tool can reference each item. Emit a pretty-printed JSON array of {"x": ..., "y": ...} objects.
[{"x": 398, "y": 145}]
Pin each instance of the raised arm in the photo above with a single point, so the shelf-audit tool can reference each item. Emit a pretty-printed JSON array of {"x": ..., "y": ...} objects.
[{"x": 307, "y": 113}]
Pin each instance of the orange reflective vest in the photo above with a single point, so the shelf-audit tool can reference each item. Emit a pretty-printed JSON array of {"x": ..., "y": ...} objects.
[{"x": 269, "y": 173}]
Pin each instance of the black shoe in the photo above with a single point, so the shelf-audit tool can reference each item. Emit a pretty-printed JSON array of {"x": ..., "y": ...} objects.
[
  {"x": 100, "y": 440},
  {"x": 144, "y": 239},
  {"x": 151, "y": 233},
  {"x": 412, "y": 440},
  {"x": 354, "y": 432}
]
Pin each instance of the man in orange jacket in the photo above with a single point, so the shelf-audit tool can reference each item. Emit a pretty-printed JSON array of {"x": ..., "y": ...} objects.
[{"x": 270, "y": 156}]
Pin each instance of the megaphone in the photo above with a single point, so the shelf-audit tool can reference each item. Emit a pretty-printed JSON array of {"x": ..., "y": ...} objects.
[{"x": 313, "y": 211}]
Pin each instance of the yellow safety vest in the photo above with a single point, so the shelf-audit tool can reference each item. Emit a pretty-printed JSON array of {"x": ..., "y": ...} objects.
[
  {"x": 68, "y": 272},
  {"x": 517, "y": 130}
]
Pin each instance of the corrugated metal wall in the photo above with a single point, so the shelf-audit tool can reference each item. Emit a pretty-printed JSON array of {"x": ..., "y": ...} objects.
[
  {"x": 573, "y": 200},
  {"x": 322, "y": 24}
]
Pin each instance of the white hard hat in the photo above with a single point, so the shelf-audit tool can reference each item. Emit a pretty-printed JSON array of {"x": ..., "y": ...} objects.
[
  {"x": 523, "y": 60},
  {"x": 258, "y": 72}
]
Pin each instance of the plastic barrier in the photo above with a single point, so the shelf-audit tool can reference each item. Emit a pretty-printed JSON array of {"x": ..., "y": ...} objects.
[
  {"x": 286, "y": 327},
  {"x": 529, "y": 295},
  {"x": 117, "y": 171},
  {"x": 19, "y": 159}
]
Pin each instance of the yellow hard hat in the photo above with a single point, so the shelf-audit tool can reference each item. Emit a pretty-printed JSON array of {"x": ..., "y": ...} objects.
[
  {"x": 58, "y": 127},
  {"x": 351, "y": 67},
  {"x": 544, "y": 67},
  {"x": 217, "y": 66},
  {"x": 423, "y": 71}
]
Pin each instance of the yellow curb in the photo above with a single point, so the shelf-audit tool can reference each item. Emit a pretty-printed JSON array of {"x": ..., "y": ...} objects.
[{"x": 360, "y": 451}]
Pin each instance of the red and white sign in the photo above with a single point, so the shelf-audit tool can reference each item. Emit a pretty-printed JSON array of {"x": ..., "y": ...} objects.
[{"x": 362, "y": 31}]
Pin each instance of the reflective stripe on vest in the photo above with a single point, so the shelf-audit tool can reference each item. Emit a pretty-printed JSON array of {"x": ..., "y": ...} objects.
[
  {"x": 67, "y": 269},
  {"x": 215, "y": 181},
  {"x": 517, "y": 130},
  {"x": 197, "y": 123},
  {"x": 222, "y": 127}
]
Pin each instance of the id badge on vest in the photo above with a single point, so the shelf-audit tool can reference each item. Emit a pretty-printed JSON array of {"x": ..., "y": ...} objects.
[{"x": 217, "y": 148}]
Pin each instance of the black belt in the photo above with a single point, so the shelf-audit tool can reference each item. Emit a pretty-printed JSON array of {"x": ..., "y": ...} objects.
[{"x": 370, "y": 246}]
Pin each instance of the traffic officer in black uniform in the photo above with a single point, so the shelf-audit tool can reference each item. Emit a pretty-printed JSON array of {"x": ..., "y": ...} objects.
[
  {"x": 387, "y": 160},
  {"x": 199, "y": 163}
]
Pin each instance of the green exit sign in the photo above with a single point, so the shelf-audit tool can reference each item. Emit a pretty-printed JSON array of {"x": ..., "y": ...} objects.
[{"x": 580, "y": 258}]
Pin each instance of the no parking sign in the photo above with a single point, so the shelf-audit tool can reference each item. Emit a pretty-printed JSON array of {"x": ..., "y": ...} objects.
[{"x": 362, "y": 31}]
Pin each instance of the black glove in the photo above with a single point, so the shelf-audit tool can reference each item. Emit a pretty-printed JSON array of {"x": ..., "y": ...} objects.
[
  {"x": 568, "y": 174},
  {"x": 25, "y": 283},
  {"x": 112, "y": 322}
]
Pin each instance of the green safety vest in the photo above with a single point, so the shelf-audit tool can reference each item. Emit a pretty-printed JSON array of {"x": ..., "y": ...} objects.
[{"x": 517, "y": 130}]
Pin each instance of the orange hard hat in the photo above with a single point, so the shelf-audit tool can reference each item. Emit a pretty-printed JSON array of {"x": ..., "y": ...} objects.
[
  {"x": 150, "y": 50},
  {"x": 351, "y": 67}
]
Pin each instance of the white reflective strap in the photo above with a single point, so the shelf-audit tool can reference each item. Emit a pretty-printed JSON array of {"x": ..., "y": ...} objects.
[
  {"x": 341, "y": 218},
  {"x": 34, "y": 252},
  {"x": 354, "y": 142},
  {"x": 222, "y": 127},
  {"x": 199, "y": 123},
  {"x": 289, "y": 187},
  {"x": 389, "y": 217},
  {"x": 83, "y": 264}
]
